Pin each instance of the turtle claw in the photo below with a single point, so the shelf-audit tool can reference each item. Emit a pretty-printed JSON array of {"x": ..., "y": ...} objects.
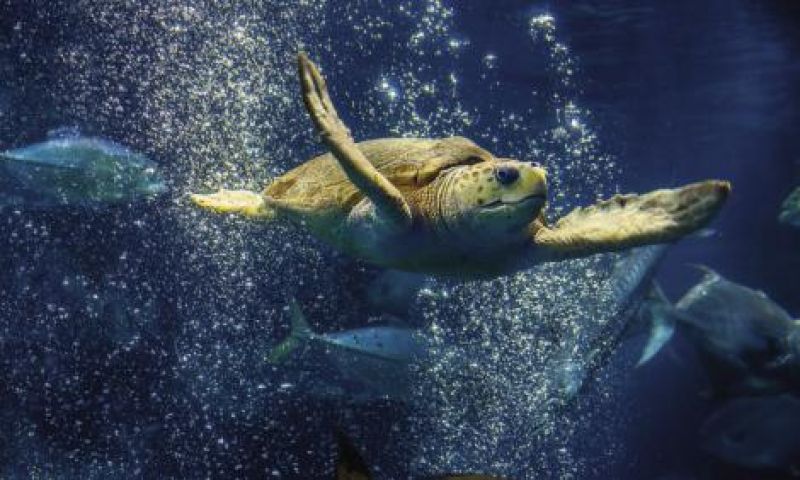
[{"x": 241, "y": 202}]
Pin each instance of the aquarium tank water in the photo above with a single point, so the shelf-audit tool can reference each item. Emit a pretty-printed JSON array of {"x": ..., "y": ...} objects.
[{"x": 399, "y": 239}]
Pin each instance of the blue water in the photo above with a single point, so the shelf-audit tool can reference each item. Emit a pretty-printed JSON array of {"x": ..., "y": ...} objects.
[{"x": 133, "y": 338}]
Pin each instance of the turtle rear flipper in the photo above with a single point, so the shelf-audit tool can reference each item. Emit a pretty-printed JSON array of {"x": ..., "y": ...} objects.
[
  {"x": 241, "y": 202},
  {"x": 626, "y": 221}
]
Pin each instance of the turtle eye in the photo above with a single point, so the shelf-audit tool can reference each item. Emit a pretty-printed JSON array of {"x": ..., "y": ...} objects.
[{"x": 506, "y": 175}]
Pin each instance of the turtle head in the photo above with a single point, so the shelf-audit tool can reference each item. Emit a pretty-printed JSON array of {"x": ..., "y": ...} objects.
[{"x": 493, "y": 202}]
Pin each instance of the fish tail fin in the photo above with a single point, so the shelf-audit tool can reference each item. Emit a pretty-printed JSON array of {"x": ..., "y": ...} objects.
[
  {"x": 661, "y": 316},
  {"x": 241, "y": 202},
  {"x": 301, "y": 333}
]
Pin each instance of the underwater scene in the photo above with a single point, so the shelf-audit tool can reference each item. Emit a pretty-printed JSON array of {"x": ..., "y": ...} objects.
[{"x": 399, "y": 239}]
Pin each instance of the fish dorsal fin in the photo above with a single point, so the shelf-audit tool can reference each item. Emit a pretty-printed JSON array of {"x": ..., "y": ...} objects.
[
  {"x": 349, "y": 464},
  {"x": 72, "y": 131},
  {"x": 709, "y": 273}
]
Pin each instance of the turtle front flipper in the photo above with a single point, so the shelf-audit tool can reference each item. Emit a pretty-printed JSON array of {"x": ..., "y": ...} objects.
[
  {"x": 241, "y": 202},
  {"x": 626, "y": 221},
  {"x": 386, "y": 197}
]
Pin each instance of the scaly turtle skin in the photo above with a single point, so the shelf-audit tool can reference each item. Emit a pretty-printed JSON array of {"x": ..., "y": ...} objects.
[{"x": 447, "y": 206}]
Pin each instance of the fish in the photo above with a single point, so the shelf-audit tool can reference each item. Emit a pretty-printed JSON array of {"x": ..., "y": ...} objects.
[
  {"x": 378, "y": 357},
  {"x": 756, "y": 432},
  {"x": 372, "y": 355},
  {"x": 748, "y": 343},
  {"x": 790, "y": 209},
  {"x": 635, "y": 291},
  {"x": 638, "y": 304},
  {"x": 639, "y": 299},
  {"x": 751, "y": 342},
  {"x": 631, "y": 284},
  {"x": 351, "y": 466},
  {"x": 70, "y": 170}
]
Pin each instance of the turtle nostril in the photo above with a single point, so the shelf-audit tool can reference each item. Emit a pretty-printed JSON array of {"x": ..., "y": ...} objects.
[{"x": 506, "y": 175}]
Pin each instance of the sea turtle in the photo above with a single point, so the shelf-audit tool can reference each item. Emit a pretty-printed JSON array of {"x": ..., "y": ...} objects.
[{"x": 447, "y": 206}]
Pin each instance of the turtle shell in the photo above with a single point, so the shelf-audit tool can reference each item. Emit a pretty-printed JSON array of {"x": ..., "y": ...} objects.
[{"x": 321, "y": 185}]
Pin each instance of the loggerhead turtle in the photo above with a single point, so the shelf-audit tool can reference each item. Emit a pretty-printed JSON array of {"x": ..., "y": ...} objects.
[{"x": 447, "y": 206}]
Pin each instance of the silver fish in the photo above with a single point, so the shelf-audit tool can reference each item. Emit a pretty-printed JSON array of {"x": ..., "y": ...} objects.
[
  {"x": 748, "y": 342},
  {"x": 72, "y": 170},
  {"x": 379, "y": 357},
  {"x": 743, "y": 332},
  {"x": 638, "y": 297},
  {"x": 374, "y": 354},
  {"x": 631, "y": 284}
]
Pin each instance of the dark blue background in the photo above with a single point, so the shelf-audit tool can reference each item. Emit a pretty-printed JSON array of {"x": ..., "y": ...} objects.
[{"x": 679, "y": 90}]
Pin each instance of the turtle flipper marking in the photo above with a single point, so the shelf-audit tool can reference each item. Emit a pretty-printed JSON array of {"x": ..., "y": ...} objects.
[
  {"x": 241, "y": 202},
  {"x": 626, "y": 221},
  {"x": 335, "y": 134}
]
